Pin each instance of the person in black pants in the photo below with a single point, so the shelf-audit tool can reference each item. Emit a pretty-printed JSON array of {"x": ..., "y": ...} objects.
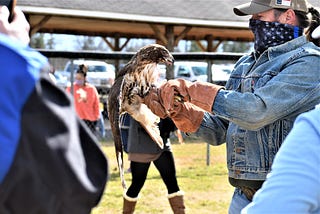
[{"x": 141, "y": 152}]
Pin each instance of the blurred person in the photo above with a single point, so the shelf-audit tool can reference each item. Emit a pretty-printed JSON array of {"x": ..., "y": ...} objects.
[
  {"x": 316, "y": 35},
  {"x": 179, "y": 136},
  {"x": 51, "y": 74},
  {"x": 294, "y": 181},
  {"x": 49, "y": 161},
  {"x": 295, "y": 171},
  {"x": 141, "y": 152},
  {"x": 265, "y": 93},
  {"x": 101, "y": 126},
  {"x": 86, "y": 98}
]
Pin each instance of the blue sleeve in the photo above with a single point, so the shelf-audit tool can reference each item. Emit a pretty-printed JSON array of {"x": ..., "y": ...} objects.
[
  {"x": 293, "y": 186},
  {"x": 213, "y": 129},
  {"x": 20, "y": 66}
]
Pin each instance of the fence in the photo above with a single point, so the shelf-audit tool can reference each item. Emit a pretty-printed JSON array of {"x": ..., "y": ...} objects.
[{"x": 197, "y": 56}]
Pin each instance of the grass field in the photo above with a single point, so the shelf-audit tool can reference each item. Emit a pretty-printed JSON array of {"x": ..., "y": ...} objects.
[{"x": 206, "y": 187}]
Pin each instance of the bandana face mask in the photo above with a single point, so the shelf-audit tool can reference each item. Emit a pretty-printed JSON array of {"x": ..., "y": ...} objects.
[{"x": 269, "y": 34}]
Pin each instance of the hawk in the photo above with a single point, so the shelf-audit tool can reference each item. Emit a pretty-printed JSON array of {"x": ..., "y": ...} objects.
[{"x": 133, "y": 82}]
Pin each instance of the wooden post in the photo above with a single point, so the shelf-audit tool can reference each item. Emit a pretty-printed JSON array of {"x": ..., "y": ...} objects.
[
  {"x": 117, "y": 48},
  {"x": 170, "y": 47}
]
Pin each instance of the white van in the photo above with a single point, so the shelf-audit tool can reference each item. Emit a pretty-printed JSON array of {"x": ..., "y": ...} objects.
[
  {"x": 221, "y": 73},
  {"x": 191, "y": 71},
  {"x": 100, "y": 73}
]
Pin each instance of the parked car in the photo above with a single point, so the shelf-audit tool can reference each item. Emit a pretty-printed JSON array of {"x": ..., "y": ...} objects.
[
  {"x": 161, "y": 72},
  {"x": 61, "y": 80},
  {"x": 197, "y": 71},
  {"x": 221, "y": 73},
  {"x": 191, "y": 71},
  {"x": 100, "y": 74}
]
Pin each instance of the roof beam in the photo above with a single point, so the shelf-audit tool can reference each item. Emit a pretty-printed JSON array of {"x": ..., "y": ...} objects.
[
  {"x": 160, "y": 36},
  {"x": 113, "y": 47},
  {"x": 38, "y": 26},
  {"x": 182, "y": 35}
]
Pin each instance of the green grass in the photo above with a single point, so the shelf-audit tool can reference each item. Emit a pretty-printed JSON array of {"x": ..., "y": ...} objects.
[{"x": 206, "y": 187}]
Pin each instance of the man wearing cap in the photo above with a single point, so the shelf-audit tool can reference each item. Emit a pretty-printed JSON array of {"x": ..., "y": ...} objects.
[
  {"x": 295, "y": 169},
  {"x": 266, "y": 91}
]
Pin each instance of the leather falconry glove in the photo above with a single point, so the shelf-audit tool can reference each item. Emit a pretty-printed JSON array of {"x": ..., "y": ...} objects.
[
  {"x": 201, "y": 94},
  {"x": 183, "y": 101},
  {"x": 186, "y": 116},
  {"x": 155, "y": 104}
]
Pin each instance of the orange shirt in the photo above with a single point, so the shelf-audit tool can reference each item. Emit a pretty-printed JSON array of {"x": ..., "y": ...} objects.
[{"x": 86, "y": 100}]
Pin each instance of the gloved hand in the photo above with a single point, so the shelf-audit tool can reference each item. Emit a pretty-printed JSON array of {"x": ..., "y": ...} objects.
[
  {"x": 201, "y": 94},
  {"x": 184, "y": 102},
  {"x": 155, "y": 104},
  {"x": 186, "y": 116}
]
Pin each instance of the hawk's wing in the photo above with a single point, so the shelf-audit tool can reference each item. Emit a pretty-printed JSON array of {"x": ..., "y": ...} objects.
[
  {"x": 113, "y": 112},
  {"x": 135, "y": 85}
]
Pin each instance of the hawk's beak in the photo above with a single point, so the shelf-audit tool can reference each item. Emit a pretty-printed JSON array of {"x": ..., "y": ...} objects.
[{"x": 169, "y": 61}]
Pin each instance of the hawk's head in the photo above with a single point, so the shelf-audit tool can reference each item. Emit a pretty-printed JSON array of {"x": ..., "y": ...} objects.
[{"x": 154, "y": 53}]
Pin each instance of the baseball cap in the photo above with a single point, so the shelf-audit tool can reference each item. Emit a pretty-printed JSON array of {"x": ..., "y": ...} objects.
[{"x": 258, "y": 6}]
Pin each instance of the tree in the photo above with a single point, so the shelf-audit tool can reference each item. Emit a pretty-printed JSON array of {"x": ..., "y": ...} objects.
[
  {"x": 194, "y": 47},
  {"x": 37, "y": 41},
  {"x": 50, "y": 44},
  {"x": 236, "y": 47},
  {"x": 86, "y": 43}
]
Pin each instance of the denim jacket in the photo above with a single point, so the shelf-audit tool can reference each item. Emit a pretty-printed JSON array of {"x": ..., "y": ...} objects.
[{"x": 262, "y": 99}]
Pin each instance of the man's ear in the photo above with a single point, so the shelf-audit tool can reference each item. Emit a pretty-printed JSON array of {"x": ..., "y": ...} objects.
[{"x": 290, "y": 17}]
